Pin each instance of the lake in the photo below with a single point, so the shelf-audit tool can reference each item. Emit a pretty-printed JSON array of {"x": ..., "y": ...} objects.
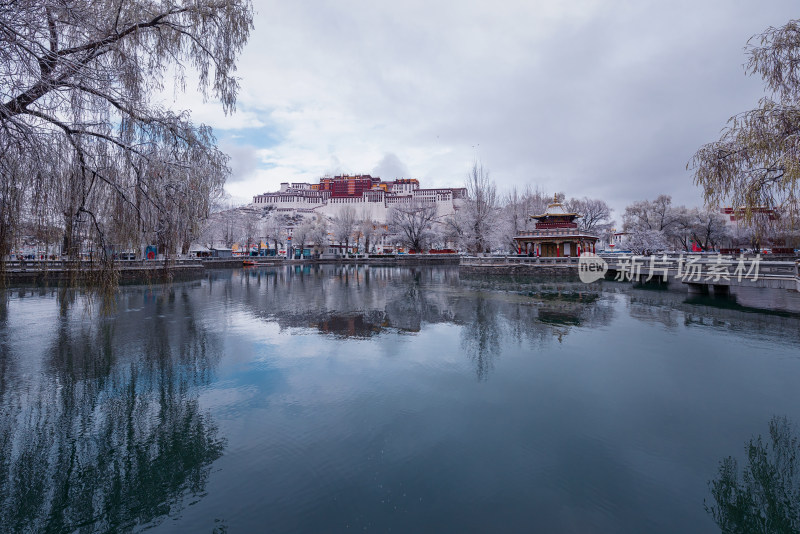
[{"x": 343, "y": 398}]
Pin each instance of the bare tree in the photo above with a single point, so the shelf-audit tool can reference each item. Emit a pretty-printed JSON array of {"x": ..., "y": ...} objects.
[
  {"x": 682, "y": 230},
  {"x": 595, "y": 214},
  {"x": 655, "y": 215},
  {"x": 645, "y": 241},
  {"x": 230, "y": 229},
  {"x": 250, "y": 229},
  {"x": 709, "y": 229},
  {"x": 78, "y": 132},
  {"x": 368, "y": 227},
  {"x": 303, "y": 233},
  {"x": 649, "y": 224},
  {"x": 344, "y": 226},
  {"x": 319, "y": 232},
  {"x": 275, "y": 230},
  {"x": 414, "y": 221},
  {"x": 515, "y": 215},
  {"x": 480, "y": 209}
]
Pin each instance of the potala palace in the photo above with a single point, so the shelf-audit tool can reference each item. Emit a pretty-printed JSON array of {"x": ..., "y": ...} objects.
[{"x": 367, "y": 194}]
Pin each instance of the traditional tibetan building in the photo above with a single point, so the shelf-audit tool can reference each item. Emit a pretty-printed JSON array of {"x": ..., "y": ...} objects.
[
  {"x": 333, "y": 194},
  {"x": 556, "y": 235}
]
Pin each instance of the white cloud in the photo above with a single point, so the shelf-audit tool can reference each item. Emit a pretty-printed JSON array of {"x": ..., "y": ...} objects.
[{"x": 604, "y": 99}]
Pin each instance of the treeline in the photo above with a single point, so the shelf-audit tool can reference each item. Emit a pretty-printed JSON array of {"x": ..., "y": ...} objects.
[
  {"x": 657, "y": 225},
  {"x": 485, "y": 221}
]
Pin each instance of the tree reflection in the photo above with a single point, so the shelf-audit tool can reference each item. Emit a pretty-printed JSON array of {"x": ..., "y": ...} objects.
[
  {"x": 111, "y": 434},
  {"x": 360, "y": 302},
  {"x": 480, "y": 338},
  {"x": 766, "y": 497}
]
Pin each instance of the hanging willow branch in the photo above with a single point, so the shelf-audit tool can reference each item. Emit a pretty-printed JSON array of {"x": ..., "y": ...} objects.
[
  {"x": 78, "y": 128},
  {"x": 756, "y": 162}
]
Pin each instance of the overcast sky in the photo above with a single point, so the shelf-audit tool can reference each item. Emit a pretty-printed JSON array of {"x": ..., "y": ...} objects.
[{"x": 602, "y": 99}]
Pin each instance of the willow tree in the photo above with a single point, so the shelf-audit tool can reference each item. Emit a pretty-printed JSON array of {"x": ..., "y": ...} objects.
[
  {"x": 756, "y": 162},
  {"x": 83, "y": 143}
]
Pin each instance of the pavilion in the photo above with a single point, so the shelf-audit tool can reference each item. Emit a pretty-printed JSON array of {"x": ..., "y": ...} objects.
[{"x": 556, "y": 235}]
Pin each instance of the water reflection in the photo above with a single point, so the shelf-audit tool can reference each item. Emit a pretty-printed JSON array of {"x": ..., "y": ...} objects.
[
  {"x": 350, "y": 396},
  {"x": 103, "y": 430},
  {"x": 765, "y": 496},
  {"x": 480, "y": 339},
  {"x": 361, "y": 302},
  {"x": 674, "y": 309}
]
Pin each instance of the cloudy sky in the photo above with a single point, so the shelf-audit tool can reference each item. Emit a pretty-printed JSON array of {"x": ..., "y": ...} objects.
[{"x": 602, "y": 99}]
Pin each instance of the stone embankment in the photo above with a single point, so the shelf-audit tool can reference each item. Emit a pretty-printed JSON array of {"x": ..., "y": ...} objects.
[
  {"x": 520, "y": 265},
  {"x": 138, "y": 271}
]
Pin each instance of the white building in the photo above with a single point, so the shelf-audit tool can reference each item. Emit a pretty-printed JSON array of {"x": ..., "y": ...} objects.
[{"x": 368, "y": 195}]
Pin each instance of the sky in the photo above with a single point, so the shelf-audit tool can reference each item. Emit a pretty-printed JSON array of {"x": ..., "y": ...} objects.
[{"x": 601, "y": 99}]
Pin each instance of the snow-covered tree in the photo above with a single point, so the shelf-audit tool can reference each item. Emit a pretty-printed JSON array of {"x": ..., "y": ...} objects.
[
  {"x": 595, "y": 214},
  {"x": 250, "y": 223},
  {"x": 80, "y": 136},
  {"x": 515, "y": 214},
  {"x": 648, "y": 224},
  {"x": 478, "y": 216},
  {"x": 319, "y": 232},
  {"x": 710, "y": 229},
  {"x": 275, "y": 230},
  {"x": 645, "y": 241},
  {"x": 413, "y": 222},
  {"x": 345, "y": 224},
  {"x": 754, "y": 164}
]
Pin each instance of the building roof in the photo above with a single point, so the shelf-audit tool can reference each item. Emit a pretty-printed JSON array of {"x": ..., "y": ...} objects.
[
  {"x": 531, "y": 236},
  {"x": 555, "y": 209}
]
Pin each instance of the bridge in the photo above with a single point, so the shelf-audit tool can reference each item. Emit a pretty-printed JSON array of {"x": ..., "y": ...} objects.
[
  {"x": 704, "y": 272},
  {"x": 699, "y": 272}
]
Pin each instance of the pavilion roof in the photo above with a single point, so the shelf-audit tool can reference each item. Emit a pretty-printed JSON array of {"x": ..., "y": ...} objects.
[{"x": 555, "y": 209}]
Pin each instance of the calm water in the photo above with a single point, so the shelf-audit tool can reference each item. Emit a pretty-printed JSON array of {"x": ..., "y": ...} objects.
[{"x": 340, "y": 399}]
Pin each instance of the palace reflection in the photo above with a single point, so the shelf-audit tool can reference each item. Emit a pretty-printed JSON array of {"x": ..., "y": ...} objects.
[
  {"x": 361, "y": 302},
  {"x": 312, "y": 373},
  {"x": 102, "y": 429}
]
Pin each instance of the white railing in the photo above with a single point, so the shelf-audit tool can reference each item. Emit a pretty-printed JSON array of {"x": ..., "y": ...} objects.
[
  {"x": 62, "y": 264},
  {"x": 516, "y": 260}
]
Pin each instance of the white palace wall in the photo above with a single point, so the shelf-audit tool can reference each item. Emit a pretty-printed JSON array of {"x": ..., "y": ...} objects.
[{"x": 376, "y": 204}]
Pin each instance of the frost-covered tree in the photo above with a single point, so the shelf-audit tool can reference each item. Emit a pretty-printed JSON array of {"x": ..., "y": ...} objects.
[
  {"x": 515, "y": 214},
  {"x": 705, "y": 228},
  {"x": 648, "y": 224},
  {"x": 656, "y": 215},
  {"x": 756, "y": 161},
  {"x": 367, "y": 228},
  {"x": 595, "y": 214},
  {"x": 479, "y": 213},
  {"x": 275, "y": 230},
  {"x": 644, "y": 241},
  {"x": 413, "y": 222},
  {"x": 709, "y": 228},
  {"x": 302, "y": 233},
  {"x": 345, "y": 224},
  {"x": 250, "y": 222},
  {"x": 319, "y": 232},
  {"x": 82, "y": 142}
]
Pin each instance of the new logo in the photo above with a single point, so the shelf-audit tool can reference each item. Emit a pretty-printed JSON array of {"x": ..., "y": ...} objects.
[{"x": 591, "y": 267}]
